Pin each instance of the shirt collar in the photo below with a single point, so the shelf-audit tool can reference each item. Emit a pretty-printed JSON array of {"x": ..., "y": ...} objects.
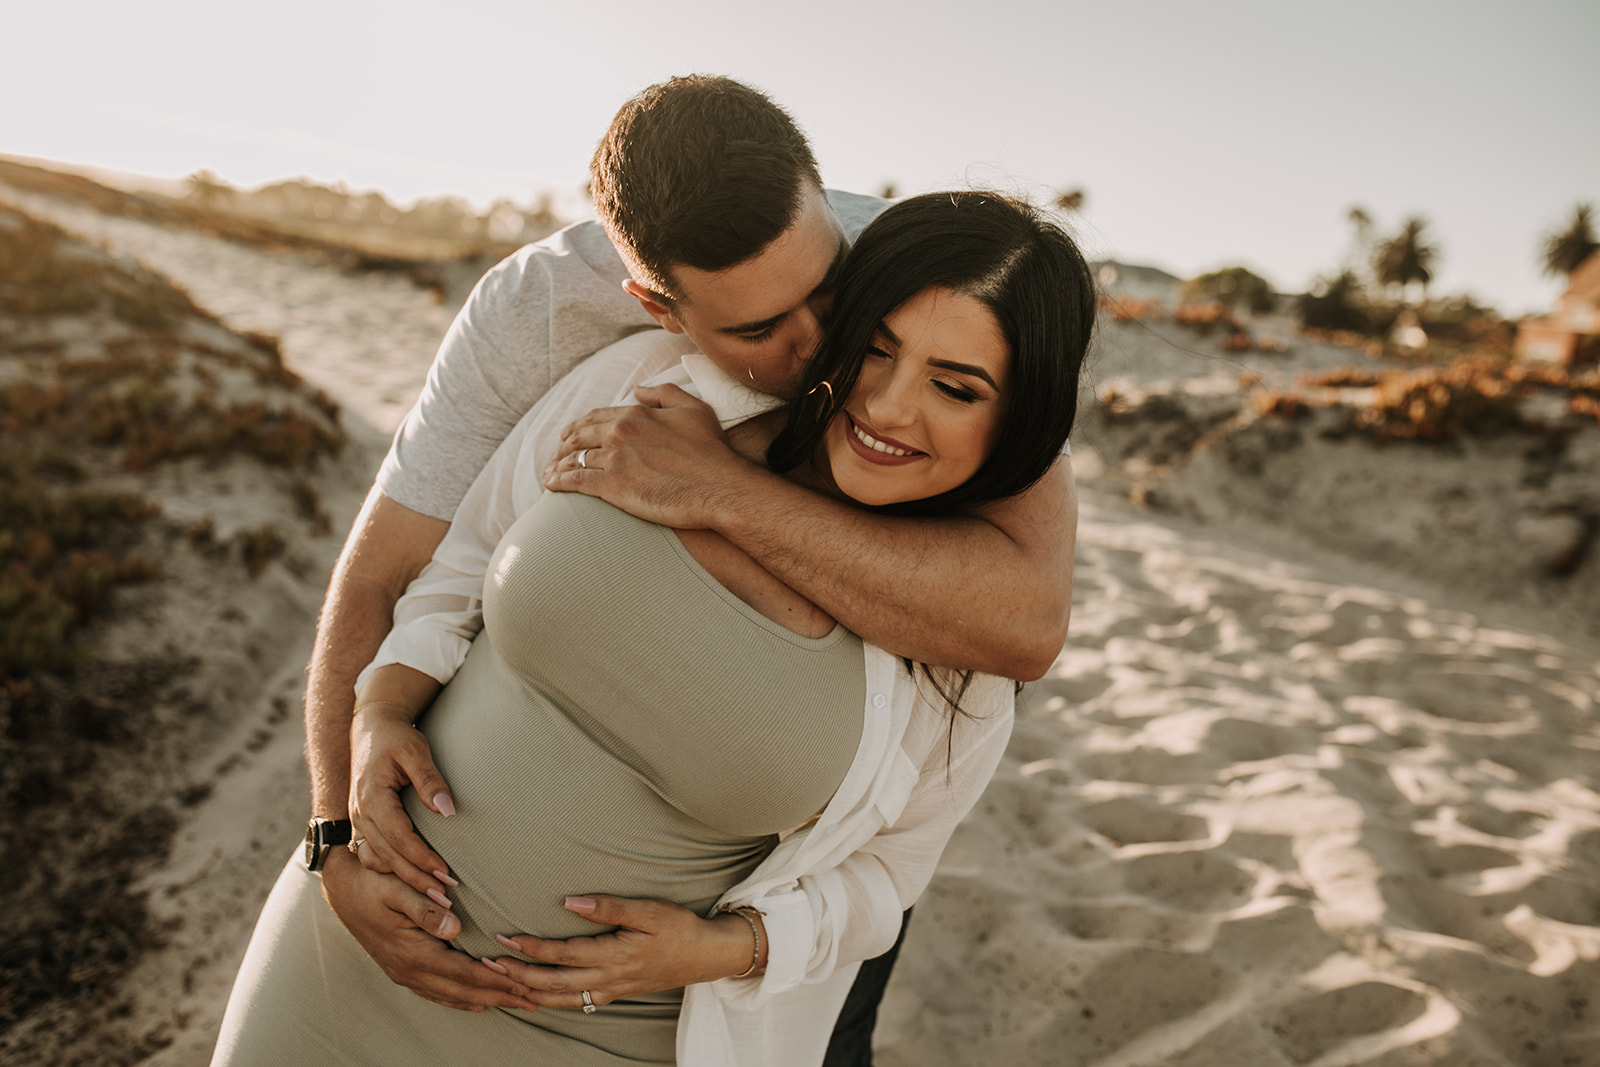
[{"x": 731, "y": 399}]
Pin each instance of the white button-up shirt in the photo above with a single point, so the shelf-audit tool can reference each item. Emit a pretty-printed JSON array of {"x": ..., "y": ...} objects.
[{"x": 832, "y": 892}]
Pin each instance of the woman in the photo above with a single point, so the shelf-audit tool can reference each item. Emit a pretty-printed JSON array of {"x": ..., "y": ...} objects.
[{"x": 648, "y": 713}]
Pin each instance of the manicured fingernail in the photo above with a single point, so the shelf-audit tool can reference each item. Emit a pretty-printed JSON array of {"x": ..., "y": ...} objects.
[
  {"x": 493, "y": 966},
  {"x": 442, "y": 801},
  {"x": 444, "y": 876},
  {"x": 580, "y": 904},
  {"x": 438, "y": 898},
  {"x": 507, "y": 942}
]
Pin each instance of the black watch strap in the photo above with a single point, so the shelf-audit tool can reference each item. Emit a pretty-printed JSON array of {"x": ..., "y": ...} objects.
[{"x": 322, "y": 837}]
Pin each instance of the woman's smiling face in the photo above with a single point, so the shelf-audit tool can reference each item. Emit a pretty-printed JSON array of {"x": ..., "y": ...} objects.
[{"x": 928, "y": 404}]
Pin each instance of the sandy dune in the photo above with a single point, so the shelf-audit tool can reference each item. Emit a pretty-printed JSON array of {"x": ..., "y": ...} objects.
[
  {"x": 1272, "y": 806},
  {"x": 1262, "y": 812}
]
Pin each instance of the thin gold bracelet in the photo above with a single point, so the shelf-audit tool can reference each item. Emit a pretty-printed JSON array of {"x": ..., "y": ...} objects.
[{"x": 744, "y": 911}]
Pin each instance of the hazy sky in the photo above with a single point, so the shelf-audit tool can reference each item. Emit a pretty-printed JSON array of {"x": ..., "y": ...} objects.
[{"x": 1235, "y": 131}]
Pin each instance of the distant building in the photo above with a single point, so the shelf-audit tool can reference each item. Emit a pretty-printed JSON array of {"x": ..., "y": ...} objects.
[{"x": 1572, "y": 333}]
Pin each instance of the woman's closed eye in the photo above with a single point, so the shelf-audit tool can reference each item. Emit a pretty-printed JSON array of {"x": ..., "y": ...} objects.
[{"x": 957, "y": 392}]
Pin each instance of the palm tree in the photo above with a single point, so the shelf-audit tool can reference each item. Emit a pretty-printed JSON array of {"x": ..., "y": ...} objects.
[
  {"x": 206, "y": 189},
  {"x": 1071, "y": 200},
  {"x": 1565, "y": 250},
  {"x": 1406, "y": 257},
  {"x": 1361, "y": 222}
]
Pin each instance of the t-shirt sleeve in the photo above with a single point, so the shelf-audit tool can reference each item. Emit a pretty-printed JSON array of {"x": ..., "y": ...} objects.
[{"x": 528, "y": 322}]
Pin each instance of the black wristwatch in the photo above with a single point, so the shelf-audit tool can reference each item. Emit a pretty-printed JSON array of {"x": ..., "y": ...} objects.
[{"x": 322, "y": 836}]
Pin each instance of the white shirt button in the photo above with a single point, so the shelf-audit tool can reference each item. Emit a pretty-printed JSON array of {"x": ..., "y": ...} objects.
[{"x": 879, "y": 700}]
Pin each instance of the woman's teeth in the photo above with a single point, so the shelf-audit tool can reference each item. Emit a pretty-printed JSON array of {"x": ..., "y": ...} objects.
[{"x": 875, "y": 444}]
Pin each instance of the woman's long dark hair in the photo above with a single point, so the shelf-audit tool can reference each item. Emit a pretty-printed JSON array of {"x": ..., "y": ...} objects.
[
  {"x": 999, "y": 251},
  {"x": 1020, "y": 265}
]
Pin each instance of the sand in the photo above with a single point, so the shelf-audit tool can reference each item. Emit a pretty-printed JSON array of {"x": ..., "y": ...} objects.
[{"x": 1279, "y": 801}]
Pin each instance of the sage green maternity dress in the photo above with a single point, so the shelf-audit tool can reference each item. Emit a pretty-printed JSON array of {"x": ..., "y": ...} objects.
[{"x": 623, "y": 725}]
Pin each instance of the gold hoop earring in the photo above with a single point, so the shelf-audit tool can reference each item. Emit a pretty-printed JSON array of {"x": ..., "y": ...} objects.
[{"x": 826, "y": 408}]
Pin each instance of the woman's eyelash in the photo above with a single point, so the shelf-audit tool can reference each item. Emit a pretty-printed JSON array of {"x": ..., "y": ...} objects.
[
  {"x": 966, "y": 396},
  {"x": 764, "y": 335}
]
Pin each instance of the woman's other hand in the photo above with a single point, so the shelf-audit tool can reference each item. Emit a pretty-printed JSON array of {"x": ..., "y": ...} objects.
[
  {"x": 387, "y": 754},
  {"x": 657, "y": 946}
]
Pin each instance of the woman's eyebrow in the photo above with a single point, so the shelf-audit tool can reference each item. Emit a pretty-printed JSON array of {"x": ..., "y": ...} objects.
[{"x": 965, "y": 368}]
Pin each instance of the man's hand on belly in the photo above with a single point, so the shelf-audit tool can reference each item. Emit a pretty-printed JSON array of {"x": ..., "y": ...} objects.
[
  {"x": 401, "y": 930},
  {"x": 387, "y": 754},
  {"x": 658, "y": 946}
]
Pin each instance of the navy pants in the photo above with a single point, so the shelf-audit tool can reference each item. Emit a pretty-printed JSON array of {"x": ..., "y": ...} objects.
[{"x": 851, "y": 1043}]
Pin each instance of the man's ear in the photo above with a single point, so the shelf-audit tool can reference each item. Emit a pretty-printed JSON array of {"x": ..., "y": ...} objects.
[{"x": 653, "y": 306}]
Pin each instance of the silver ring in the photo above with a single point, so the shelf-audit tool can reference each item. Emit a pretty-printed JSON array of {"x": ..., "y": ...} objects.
[
  {"x": 581, "y": 454},
  {"x": 588, "y": 1001}
]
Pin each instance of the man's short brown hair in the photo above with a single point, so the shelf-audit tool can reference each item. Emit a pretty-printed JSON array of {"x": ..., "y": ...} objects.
[{"x": 699, "y": 170}]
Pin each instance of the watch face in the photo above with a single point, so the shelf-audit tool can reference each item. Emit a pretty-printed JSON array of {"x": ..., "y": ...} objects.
[{"x": 311, "y": 846}]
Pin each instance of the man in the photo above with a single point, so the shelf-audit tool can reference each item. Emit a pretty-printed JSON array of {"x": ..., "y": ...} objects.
[{"x": 713, "y": 200}]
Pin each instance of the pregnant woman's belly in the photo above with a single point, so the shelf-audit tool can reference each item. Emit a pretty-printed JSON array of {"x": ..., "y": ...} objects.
[
  {"x": 544, "y": 812},
  {"x": 625, "y": 725}
]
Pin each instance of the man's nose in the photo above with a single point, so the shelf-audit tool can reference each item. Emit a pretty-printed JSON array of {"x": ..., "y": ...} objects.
[{"x": 807, "y": 332}]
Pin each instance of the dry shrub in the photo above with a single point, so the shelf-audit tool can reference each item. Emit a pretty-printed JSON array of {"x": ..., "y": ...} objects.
[
  {"x": 1342, "y": 338},
  {"x": 308, "y": 503},
  {"x": 61, "y": 555},
  {"x": 63, "y": 550},
  {"x": 1440, "y": 403},
  {"x": 1476, "y": 397},
  {"x": 44, "y": 278},
  {"x": 39, "y": 280},
  {"x": 1285, "y": 405},
  {"x": 201, "y": 532},
  {"x": 269, "y": 343},
  {"x": 1127, "y": 309},
  {"x": 126, "y": 403},
  {"x": 260, "y": 547},
  {"x": 1340, "y": 378},
  {"x": 1203, "y": 318}
]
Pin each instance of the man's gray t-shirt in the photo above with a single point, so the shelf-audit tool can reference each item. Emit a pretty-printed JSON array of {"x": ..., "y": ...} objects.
[{"x": 529, "y": 321}]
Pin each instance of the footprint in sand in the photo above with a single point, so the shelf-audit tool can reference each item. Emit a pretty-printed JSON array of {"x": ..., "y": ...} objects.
[
  {"x": 1317, "y": 1025},
  {"x": 1136, "y": 821},
  {"x": 1133, "y": 992},
  {"x": 1190, "y": 881},
  {"x": 1132, "y": 923},
  {"x": 1509, "y": 823}
]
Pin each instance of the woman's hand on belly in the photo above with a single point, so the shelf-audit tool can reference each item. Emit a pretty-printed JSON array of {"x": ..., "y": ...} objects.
[{"x": 658, "y": 946}]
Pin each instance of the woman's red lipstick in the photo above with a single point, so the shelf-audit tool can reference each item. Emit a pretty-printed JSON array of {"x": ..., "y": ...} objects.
[{"x": 872, "y": 455}]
